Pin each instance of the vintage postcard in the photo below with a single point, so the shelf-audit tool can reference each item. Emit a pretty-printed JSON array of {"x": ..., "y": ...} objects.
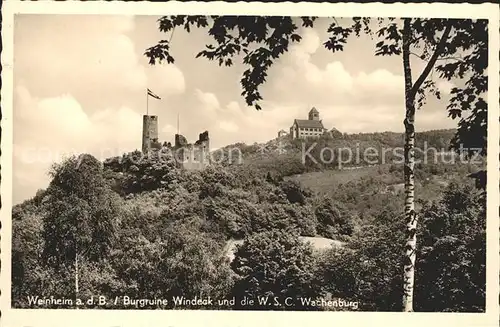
[{"x": 216, "y": 164}]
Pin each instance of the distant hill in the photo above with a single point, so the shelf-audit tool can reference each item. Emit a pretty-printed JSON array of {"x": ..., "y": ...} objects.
[
  {"x": 283, "y": 156},
  {"x": 361, "y": 186}
]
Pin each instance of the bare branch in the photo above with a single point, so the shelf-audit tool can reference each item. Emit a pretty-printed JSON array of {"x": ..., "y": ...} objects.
[
  {"x": 454, "y": 58},
  {"x": 171, "y": 35},
  {"x": 417, "y": 39},
  {"x": 421, "y": 57},
  {"x": 432, "y": 60}
]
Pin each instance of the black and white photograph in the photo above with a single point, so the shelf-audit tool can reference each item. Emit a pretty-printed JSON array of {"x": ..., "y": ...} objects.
[{"x": 251, "y": 162}]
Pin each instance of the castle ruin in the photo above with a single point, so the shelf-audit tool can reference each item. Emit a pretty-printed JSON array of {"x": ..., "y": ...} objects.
[
  {"x": 192, "y": 156},
  {"x": 188, "y": 156}
]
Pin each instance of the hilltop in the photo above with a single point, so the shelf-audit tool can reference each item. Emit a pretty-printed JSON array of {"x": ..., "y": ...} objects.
[
  {"x": 357, "y": 185},
  {"x": 439, "y": 139},
  {"x": 283, "y": 156}
]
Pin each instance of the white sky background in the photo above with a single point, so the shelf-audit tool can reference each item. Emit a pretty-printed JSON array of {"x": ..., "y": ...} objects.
[{"x": 80, "y": 86}]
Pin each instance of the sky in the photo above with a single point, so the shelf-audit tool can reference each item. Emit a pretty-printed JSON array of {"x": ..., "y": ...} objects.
[{"x": 80, "y": 87}]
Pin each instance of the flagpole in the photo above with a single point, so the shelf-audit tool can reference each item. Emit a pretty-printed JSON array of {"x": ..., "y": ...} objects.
[{"x": 147, "y": 103}]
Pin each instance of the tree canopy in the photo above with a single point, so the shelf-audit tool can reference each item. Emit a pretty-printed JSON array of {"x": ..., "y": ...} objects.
[{"x": 258, "y": 41}]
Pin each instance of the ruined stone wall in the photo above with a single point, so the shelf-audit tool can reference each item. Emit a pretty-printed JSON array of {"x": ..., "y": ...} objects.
[
  {"x": 193, "y": 156},
  {"x": 203, "y": 148}
]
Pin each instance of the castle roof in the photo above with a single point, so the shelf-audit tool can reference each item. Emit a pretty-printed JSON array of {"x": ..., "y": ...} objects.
[
  {"x": 314, "y": 110},
  {"x": 306, "y": 123}
]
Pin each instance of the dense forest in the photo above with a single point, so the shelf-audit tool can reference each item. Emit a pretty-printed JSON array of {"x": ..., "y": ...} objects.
[{"x": 146, "y": 229}]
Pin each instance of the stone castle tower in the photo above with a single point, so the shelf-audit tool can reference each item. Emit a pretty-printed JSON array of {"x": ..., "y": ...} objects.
[
  {"x": 313, "y": 114},
  {"x": 149, "y": 132}
]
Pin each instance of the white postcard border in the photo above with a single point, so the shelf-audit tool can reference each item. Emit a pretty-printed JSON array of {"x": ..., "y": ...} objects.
[{"x": 111, "y": 318}]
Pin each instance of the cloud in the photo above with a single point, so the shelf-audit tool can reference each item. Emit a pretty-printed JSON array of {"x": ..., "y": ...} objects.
[
  {"x": 168, "y": 129},
  {"x": 299, "y": 79},
  {"x": 95, "y": 59},
  {"x": 208, "y": 100},
  {"x": 381, "y": 81},
  {"x": 445, "y": 87},
  {"x": 87, "y": 51},
  {"x": 165, "y": 79},
  {"x": 234, "y": 108},
  {"x": 300, "y": 54},
  {"x": 228, "y": 126},
  {"x": 46, "y": 130}
]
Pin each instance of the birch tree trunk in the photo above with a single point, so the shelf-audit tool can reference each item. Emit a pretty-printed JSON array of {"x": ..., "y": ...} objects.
[
  {"x": 411, "y": 218},
  {"x": 409, "y": 176}
]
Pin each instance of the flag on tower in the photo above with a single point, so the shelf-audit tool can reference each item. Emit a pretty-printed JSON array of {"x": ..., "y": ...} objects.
[{"x": 150, "y": 93}]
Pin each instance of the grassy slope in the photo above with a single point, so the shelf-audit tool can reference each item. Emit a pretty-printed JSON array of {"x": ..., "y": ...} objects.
[
  {"x": 286, "y": 158},
  {"x": 323, "y": 181}
]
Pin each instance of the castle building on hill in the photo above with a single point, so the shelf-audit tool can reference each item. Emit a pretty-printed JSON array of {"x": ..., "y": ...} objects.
[
  {"x": 187, "y": 156},
  {"x": 308, "y": 128}
]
